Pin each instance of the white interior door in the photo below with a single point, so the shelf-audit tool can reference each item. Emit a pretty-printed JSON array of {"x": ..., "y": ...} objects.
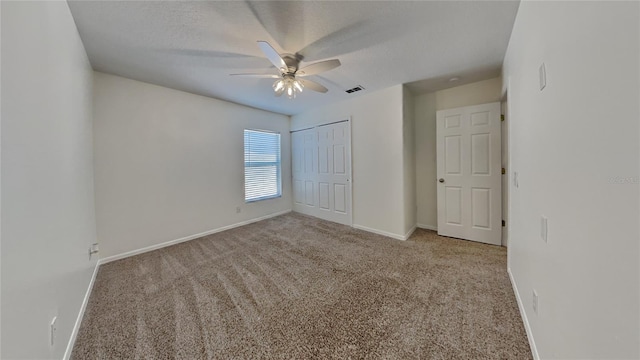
[
  {"x": 321, "y": 169},
  {"x": 469, "y": 173}
]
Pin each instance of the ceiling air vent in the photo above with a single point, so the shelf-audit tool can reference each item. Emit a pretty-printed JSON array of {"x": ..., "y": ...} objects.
[{"x": 357, "y": 88}]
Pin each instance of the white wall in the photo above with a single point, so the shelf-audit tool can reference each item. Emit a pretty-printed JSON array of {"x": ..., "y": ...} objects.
[
  {"x": 575, "y": 146},
  {"x": 409, "y": 162},
  {"x": 425, "y": 107},
  {"x": 169, "y": 164},
  {"x": 0, "y": 177},
  {"x": 377, "y": 156},
  {"x": 476, "y": 93},
  {"x": 48, "y": 220},
  {"x": 425, "y": 133}
]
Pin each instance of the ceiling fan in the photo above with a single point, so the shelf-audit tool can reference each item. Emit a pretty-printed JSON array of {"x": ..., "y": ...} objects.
[{"x": 288, "y": 66}]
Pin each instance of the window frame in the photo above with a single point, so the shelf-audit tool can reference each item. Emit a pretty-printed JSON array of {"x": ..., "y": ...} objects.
[{"x": 278, "y": 165}]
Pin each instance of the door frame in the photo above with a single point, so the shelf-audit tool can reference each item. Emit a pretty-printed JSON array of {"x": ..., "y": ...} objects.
[
  {"x": 506, "y": 164},
  {"x": 510, "y": 171}
]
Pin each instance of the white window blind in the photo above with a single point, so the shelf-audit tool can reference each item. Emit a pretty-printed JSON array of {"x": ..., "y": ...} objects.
[{"x": 262, "y": 179}]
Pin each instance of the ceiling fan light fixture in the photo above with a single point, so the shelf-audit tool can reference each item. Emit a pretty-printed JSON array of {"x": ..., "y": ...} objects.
[
  {"x": 278, "y": 85},
  {"x": 288, "y": 84}
]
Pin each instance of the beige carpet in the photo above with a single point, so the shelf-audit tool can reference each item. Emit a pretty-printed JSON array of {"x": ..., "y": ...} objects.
[{"x": 295, "y": 287}]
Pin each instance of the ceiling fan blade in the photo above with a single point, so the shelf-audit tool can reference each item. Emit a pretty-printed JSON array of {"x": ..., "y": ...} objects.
[
  {"x": 318, "y": 67},
  {"x": 272, "y": 55},
  {"x": 312, "y": 85},
  {"x": 264, "y": 76}
]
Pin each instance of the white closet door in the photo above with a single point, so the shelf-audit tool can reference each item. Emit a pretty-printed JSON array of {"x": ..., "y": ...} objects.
[{"x": 322, "y": 172}]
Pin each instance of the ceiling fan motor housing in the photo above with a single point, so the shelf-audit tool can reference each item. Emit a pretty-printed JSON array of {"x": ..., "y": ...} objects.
[{"x": 292, "y": 61}]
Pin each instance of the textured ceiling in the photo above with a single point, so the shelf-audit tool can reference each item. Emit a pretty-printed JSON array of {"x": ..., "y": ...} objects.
[{"x": 195, "y": 45}]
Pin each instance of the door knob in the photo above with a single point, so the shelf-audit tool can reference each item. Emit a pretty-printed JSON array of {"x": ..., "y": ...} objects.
[{"x": 441, "y": 180}]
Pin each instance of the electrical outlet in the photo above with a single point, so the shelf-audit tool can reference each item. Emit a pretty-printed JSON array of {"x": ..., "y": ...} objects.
[
  {"x": 53, "y": 329},
  {"x": 535, "y": 302},
  {"x": 543, "y": 228},
  {"x": 238, "y": 209}
]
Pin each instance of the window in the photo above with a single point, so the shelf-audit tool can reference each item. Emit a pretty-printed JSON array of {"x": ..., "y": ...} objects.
[{"x": 262, "y": 179}]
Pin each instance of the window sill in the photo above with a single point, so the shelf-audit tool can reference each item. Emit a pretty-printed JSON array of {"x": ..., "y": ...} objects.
[{"x": 263, "y": 198}]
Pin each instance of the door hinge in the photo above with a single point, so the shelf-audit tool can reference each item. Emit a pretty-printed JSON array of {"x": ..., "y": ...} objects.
[
  {"x": 501, "y": 117},
  {"x": 504, "y": 171},
  {"x": 504, "y": 223}
]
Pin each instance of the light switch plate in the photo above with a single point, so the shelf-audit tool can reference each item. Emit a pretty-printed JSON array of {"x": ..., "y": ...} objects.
[
  {"x": 53, "y": 329},
  {"x": 544, "y": 227},
  {"x": 543, "y": 76}
]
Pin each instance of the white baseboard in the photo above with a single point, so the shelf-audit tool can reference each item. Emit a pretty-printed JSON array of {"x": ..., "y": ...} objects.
[
  {"x": 127, "y": 254},
  {"x": 428, "y": 227},
  {"x": 379, "y": 232},
  {"x": 408, "y": 234},
  {"x": 85, "y": 301},
  {"x": 525, "y": 320}
]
